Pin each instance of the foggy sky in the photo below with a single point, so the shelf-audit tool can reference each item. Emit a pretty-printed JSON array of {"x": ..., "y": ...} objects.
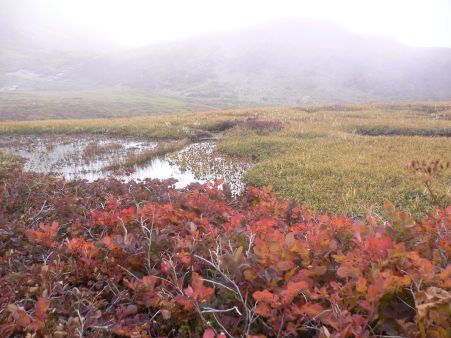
[{"x": 133, "y": 23}]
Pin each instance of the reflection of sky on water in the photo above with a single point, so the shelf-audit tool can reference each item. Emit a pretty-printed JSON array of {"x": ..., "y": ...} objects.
[
  {"x": 161, "y": 168},
  {"x": 69, "y": 157}
]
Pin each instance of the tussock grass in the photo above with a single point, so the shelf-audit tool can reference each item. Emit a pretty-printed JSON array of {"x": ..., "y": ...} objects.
[{"x": 394, "y": 131}]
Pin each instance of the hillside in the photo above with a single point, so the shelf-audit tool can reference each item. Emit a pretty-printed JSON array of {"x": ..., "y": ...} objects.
[
  {"x": 287, "y": 62},
  {"x": 282, "y": 62}
]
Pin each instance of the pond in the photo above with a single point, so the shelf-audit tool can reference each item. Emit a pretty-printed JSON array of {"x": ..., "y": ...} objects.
[{"x": 89, "y": 157}]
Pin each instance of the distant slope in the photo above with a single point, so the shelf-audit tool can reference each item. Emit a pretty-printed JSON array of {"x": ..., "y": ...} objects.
[
  {"x": 285, "y": 62},
  {"x": 43, "y": 105}
]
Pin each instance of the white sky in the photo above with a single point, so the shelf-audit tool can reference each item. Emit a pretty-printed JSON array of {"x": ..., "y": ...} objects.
[{"x": 138, "y": 22}]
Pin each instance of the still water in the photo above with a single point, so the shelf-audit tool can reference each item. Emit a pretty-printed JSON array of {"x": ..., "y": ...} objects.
[{"x": 87, "y": 157}]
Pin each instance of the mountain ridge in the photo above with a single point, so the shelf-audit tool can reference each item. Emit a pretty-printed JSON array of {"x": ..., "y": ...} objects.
[{"x": 282, "y": 62}]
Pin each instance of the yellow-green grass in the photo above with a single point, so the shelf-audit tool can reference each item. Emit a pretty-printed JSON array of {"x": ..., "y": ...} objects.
[
  {"x": 319, "y": 157},
  {"x": 344, "y": 174}
]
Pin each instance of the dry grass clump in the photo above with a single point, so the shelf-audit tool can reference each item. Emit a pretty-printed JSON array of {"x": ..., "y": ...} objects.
[
  {"x": 428, "y": 172},
  {"x": 94, "y": 149},
  {"x": 260, "y": 126},
  {"x": 164, "y": 148}
]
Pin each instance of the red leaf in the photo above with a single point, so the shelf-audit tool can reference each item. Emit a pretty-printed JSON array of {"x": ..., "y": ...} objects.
[
  {"x": 285, "y": 265},
  {"x": 197, "y": 290},
  {"x": 209, "y": 333},
  {"x": 378, "y": 243},
  {"x": 109, "y": 243},
  {"x": 376, "y": 290},
  {"x": 189, "y": 291},
  {"x": 292, "y": 290},
  {"x": 343, "y": 272},
  {"x": 263, "y": 310},
  {"x": 184, "y": 302},
  {"x": 130, "y": 310}
]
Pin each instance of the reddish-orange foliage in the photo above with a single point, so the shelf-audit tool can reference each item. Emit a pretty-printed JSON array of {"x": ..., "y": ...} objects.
[{"x": 143, "y": 259}]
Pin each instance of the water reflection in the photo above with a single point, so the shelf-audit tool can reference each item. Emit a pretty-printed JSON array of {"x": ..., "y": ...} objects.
[{"x": 86, "y": 157}]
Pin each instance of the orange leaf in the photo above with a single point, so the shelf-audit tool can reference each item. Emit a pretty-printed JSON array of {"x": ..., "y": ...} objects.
[
  {"x": 263, "y": 310},
  {"x": 267, "y": 189},
  {"x": 361, "y": 285},
  {"x": 41, "y": 308},
  {"x": 21, "y": 317},
  {"x": 311, "y": 310},
  {"x": 109, "y": 243},
  {"x": 264, "y": 296},
  {"x": 184, "y": 302},
  {"x": 319, "y": 270}
]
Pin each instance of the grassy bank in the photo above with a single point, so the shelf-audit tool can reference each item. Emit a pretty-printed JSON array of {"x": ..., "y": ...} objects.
[
  {"x": 316, "y": 155},
  {"x": 187, "y": 125}
]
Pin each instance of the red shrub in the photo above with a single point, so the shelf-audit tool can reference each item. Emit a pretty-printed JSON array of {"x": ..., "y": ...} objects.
[{"x": 144, "y": 259}]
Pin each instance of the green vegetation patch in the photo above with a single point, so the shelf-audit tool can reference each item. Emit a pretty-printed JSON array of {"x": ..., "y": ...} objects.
[{"x": 349, "y": 174}]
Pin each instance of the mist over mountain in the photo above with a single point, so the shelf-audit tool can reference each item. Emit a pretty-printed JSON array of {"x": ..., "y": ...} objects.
[
  {"x": 284, "y": 62},
  {"x": 36, "y": 50}
]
